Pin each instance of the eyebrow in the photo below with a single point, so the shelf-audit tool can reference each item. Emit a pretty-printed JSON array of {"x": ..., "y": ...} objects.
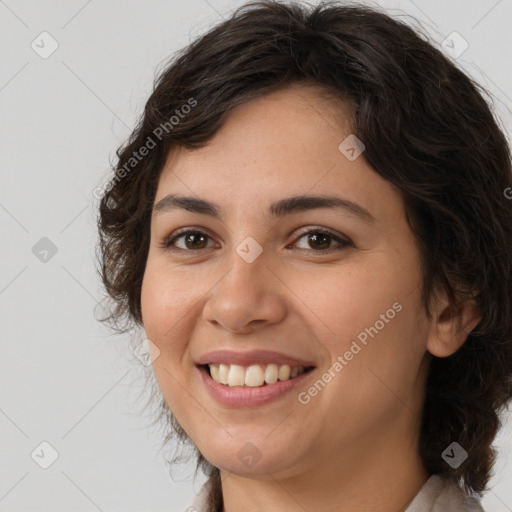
[{"x": 279, "y": 208}]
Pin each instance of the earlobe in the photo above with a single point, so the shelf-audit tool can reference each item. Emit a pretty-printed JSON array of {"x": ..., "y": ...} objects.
[{"x": 451, "y": 326}]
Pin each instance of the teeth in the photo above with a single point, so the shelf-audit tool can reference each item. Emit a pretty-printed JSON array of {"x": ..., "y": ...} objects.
[
  {"x": 236, "y": 375},
  {"x": 214, "y": 370},
  {"x": 223, "y": 373},
  {"x": 254, "y": 375},
  {"x": 271, "y": 373},
  {"x": 284, "y": 372}
]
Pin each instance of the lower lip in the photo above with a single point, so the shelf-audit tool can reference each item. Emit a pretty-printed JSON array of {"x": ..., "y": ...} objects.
[{"x": 239, "y": 396}]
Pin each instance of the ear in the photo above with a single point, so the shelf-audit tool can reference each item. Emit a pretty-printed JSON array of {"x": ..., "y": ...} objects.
[{"x": 451, "y": 325}]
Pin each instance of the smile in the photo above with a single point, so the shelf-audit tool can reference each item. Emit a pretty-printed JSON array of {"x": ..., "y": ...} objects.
[
  {"x": 251, "y": 378},
  {"x": 261, "y": 384},
  {"x": 254, "y": 375}
]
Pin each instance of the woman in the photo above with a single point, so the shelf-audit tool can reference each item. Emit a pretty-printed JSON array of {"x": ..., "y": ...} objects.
[{"x": 311, "y": 224}]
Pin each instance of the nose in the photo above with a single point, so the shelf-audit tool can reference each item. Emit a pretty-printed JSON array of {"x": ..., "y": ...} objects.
[{"x": 249, "y": 297}]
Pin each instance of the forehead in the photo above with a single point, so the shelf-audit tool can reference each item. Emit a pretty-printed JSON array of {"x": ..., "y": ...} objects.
[{"x": 281, "y": 144}]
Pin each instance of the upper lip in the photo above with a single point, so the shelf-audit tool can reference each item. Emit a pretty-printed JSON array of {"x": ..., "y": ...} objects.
[{"x": 251, "y": 357}]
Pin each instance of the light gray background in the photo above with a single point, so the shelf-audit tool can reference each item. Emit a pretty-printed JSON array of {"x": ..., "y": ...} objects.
[{"x": 64, "y": 378}]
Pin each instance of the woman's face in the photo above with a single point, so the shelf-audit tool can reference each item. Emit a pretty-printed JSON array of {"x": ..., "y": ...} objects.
[{"x": 334, "y": 287}]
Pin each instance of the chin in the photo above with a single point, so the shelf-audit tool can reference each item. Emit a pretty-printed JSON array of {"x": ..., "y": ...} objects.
[{"x": 251, "y": 457}]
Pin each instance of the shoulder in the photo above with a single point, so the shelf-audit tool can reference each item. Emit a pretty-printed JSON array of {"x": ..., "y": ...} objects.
[{"x": 440, "y": 495}]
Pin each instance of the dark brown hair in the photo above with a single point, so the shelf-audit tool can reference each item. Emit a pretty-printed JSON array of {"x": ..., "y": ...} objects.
[{"x": 427, "y": 129}]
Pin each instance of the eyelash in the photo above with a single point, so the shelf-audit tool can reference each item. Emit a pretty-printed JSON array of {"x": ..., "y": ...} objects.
[{"x": 168, "y": 243}]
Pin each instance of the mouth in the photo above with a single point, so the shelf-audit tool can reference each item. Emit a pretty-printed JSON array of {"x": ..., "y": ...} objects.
[
  {"x": 255, "y": 375},
  {"x": 238, "y": 386}
]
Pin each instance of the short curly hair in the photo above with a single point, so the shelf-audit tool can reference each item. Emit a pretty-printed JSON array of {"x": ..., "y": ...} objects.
[{"x": 427, "y": 128}]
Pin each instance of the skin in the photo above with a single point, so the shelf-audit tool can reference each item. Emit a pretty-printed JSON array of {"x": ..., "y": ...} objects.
[{"x": 353, "y": 447}]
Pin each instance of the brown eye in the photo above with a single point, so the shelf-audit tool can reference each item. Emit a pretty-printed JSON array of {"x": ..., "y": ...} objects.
[
  {"x": 321, "y": 241},
  {"x": 195, "y": 240},
  {"x": 190, "y": 240}
]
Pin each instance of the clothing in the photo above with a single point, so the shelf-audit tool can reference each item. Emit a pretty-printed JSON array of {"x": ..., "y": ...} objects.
[
  {"x": 436, "y": 495},
  {"x": 439, "y": 495}
]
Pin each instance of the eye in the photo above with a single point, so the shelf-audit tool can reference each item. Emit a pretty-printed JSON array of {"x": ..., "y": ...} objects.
[
  {"x": 188, "y": 240},
  {"x": 320, "y": 239}
]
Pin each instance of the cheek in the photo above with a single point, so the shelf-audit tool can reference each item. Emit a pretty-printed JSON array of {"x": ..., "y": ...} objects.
[
  {"x": 379, "y": 347},
  {"x": 168, "y": 303},
  {"x": 345, "y": 301}
]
